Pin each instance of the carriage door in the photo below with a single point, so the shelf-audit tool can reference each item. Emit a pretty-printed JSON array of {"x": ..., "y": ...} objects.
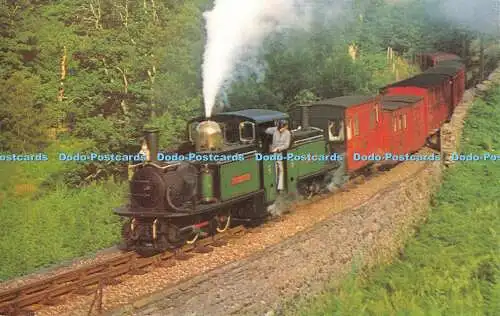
[
  {"x": 397, "y": 140},
  {"x": 375, "y": 136}
]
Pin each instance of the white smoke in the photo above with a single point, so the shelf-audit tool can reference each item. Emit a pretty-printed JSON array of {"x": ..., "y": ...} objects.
[
  {"x": 477, "y": 15},
  {"x": 237, "y": 28}
]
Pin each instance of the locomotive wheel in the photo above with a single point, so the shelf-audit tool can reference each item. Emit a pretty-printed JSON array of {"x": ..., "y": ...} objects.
[{"x": 223, "y": 222}]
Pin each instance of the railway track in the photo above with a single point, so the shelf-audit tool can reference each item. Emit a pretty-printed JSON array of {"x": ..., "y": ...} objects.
[
  {"x": 26, "y": 299},
  {"x": 89, "y": 279}
]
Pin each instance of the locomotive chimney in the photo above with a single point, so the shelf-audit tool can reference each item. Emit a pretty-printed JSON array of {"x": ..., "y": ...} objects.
[
  {"x": 305, "y": 115},
  {"x": 151, "y": 134}
]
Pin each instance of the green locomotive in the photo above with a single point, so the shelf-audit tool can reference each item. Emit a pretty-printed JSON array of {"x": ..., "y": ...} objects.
[{"x": 174, "y": 202}]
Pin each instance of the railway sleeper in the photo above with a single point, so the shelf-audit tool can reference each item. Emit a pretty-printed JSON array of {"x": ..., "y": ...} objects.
[
  {"x": 219, "y": 243},
  {"x": 137, "y": 271},
  {"x": 182, "y": 255},
  {"x": 52, "y": 301},
  {"x": 84, "y": 291},
  {"x": 203, "y": 249},
  {"x": 15, "y": 311},
  {"x": 112, "y": 281}
]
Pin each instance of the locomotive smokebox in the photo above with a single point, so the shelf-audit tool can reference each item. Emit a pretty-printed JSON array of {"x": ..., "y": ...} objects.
[
  {"x": 209, "y": 137},
  {"x": 151, "y": 134},
  {"x": 305, "y": 115}
]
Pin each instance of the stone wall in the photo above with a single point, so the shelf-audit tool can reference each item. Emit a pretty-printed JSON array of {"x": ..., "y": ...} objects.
[{"x": 301, "y": 265}]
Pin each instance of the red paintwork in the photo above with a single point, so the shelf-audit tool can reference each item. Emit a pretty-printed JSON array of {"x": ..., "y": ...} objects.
[
  {"x": 200, "y": 225},
  {"x": 369, "y": 138},
  {"x": 458, "y": 87},
  {"x": 241, "y": 178},
  {"x": 399, "y": 139},
  {"x": 428, "y": 60},
  {"x": 423, "y": 118},
  {"x": 436, "y": 110}
]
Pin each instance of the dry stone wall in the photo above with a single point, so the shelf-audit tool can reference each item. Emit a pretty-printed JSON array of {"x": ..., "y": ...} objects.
[{"x": 369, "y": 234}]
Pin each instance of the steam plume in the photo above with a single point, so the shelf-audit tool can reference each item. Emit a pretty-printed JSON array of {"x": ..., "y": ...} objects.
[
  {"x": 235, "y": 31},
  {"x": 478, "y": 15}
]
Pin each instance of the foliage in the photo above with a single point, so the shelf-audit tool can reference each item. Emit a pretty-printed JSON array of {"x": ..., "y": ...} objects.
[
  {"x": 317, "y": 59},
  {"x": 100, "y": 70},
  {"x": 452, "y": 267},
  {"x": 60, "y": 225},
  {"x": 21, "y": 126}
]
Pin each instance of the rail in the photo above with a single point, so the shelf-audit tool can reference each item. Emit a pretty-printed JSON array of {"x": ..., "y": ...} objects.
[{"x": 89, "y": 279}]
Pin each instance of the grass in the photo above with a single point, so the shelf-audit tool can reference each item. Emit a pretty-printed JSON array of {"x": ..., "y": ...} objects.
[
  {"x": 46, "y": 225},
  {"x": 452, "y": 266}
]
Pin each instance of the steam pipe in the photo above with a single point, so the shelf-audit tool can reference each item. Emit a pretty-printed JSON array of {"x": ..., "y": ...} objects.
[{"x": 194, "y": 227}]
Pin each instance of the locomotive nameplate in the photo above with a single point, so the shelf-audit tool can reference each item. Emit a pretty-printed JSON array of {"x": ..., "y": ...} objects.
[{"x": 241, "y": 178}]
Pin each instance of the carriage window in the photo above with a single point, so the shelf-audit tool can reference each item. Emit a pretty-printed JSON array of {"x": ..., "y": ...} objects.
[
  {"x": 349, "y": 129},
  {"x": 335, "y": 130},
  {"x": 356, "y": 126},
  {"x": 394, "y": 123},
  {"x": 400, "y": 125},
  {"x": 376, "y": 113},
  {"x": 404, "y": 121}
]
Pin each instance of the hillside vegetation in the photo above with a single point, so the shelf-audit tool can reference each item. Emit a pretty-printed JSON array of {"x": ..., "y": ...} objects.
[
  {"x": 452, "y": 266},
  {"x": 87, "y": 75}
]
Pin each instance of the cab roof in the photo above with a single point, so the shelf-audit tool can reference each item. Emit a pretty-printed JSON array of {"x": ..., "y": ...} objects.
[{"x": 257, "y": 115}]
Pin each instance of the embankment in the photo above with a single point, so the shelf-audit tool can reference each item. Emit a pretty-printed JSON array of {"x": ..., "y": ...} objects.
[{"x": 301, "y": 265}]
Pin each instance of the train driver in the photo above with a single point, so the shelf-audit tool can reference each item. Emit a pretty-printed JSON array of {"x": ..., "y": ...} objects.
[{"x": 281, "y": 142}]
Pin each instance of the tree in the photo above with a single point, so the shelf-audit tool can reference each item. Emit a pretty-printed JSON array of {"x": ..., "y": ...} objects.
[{"x": 23, "y": 122}]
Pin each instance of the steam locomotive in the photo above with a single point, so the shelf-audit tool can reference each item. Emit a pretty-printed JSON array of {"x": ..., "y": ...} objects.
[{"x": 177, "y": 202}]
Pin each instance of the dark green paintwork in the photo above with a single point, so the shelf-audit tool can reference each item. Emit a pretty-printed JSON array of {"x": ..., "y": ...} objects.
[
  {"x": 269, "y": 180},
  {"x": 238, "y": 168},
  {"x": 299, "y": 168},
  {"x": 207, "y": 185}
]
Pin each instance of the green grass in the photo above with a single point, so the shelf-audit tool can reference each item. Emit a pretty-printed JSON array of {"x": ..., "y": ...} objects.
[
  {"x": 452, "y": 266},
  {"x": 46, "y": 225}
]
